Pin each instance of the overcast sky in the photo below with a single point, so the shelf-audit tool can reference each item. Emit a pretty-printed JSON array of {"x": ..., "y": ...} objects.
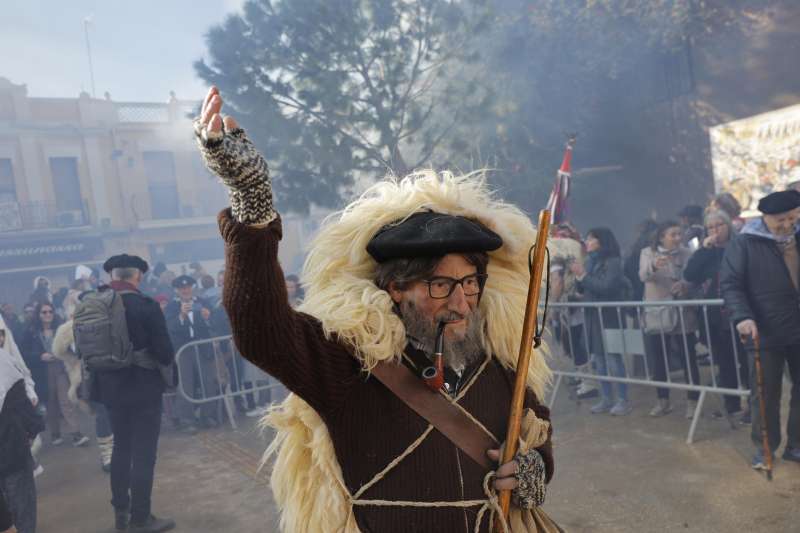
[{"x": 141, "y": 49}]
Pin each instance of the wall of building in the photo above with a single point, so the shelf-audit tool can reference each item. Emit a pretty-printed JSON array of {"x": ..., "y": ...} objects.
[{"x": 143, "y": 189}]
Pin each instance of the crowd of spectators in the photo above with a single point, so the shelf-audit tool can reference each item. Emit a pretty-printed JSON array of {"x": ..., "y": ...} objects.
[
  {"x": 751, "y": 271},
  {"x": 678, "y": 259},
  {"x": 192, "y": 305}
]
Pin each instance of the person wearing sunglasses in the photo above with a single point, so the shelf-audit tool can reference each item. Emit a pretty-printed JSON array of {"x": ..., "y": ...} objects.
[{"x": 38, "y": 348}]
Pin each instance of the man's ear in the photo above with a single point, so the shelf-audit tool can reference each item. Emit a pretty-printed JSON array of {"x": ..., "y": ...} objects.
[{"x": 394, "y": 292}]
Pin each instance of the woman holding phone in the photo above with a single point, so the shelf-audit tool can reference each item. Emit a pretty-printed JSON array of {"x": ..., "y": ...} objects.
[{"x": 669, "y": 331}]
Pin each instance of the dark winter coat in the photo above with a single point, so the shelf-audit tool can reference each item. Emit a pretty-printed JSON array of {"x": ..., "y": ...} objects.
[
  {"x": 756, "y": 285},
  {"x": 32, "y": 348},
  {"x": 15, "y": 325},
  {"x": 187, "y": 331},
  {"x": 703, "y": 269},
  {"x": 604, "y": 282},
  {"x": 631, "y": 270},
  {"x": 6, "y": 520},
  {"x": 147, "y": 330},
  {"x": 19, "y": 424}
]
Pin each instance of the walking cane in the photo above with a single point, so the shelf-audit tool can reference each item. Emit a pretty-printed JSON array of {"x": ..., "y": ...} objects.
[
  {"x": 529, "y": 331},
  {"x": 762, "y": 409}
]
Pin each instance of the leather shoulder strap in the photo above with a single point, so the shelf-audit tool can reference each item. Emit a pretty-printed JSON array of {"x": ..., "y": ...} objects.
[{"x": 437, "y": 410}]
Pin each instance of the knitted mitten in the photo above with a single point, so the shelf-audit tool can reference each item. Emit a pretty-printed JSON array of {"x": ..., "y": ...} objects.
[
  {"x": 531, "y": 488},
  {"x": 232, "y": 156}
]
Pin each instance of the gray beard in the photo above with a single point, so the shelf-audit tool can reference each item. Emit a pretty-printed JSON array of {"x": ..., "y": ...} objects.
[{"x": 457, "y": 354}]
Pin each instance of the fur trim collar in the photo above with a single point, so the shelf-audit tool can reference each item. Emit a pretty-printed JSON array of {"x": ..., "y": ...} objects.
[
  {"x": 307, "y": 480},
  {"x": 338, "y": 273}
]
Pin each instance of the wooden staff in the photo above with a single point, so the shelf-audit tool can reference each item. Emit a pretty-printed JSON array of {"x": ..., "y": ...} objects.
[
  {"x": 762, "y": 407},
  {"x": 525, "y": 349}
]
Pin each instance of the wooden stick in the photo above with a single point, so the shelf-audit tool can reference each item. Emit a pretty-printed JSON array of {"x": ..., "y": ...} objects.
[
  {"x": 762, "y": 407},
  {"x": 525, "y": 349}
]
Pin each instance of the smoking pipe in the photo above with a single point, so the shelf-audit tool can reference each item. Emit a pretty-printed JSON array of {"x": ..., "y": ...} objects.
[{"x": 434, "y": 375}]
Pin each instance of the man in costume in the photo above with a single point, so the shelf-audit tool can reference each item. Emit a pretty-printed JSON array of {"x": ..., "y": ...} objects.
[{"x": 404, "y": 260}]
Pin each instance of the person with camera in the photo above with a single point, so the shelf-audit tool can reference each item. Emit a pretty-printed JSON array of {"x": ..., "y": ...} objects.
[
  {"x": 703, "y": 269},
  {"x": 669, "y": 333},
  {"x": 189, "y": 319}
]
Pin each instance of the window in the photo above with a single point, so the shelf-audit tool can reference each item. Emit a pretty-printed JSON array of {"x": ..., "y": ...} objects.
[
  {"x": 8, "y": 190},
  {"x": 66, "y": 183},
  {"x": 160, "y": 169}
]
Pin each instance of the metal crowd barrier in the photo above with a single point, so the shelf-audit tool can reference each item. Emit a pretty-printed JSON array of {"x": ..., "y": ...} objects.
[
  {"x": 226, "y": 383},
  {"x": 628, "y": 340}
]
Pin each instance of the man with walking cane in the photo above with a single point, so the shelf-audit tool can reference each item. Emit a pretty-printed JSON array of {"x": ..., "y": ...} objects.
[{"x": 759, "y": 280}]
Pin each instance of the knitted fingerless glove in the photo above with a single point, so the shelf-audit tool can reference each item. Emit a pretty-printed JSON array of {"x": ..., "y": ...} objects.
[
  {"x": 531, "y": 488},
  {"x": 231, "y": 156}
]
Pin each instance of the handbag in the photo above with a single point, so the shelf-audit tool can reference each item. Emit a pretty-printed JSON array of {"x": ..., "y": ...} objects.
[{"x": 660, "y": 319}]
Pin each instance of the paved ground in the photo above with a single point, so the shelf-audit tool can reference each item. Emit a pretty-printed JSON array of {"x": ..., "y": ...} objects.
[
  {"x": 207, "y": 483},
  {"x": 613, "y": 475}
]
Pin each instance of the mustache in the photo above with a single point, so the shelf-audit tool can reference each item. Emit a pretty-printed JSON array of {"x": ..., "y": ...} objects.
[{"x": 451, "y": 316}]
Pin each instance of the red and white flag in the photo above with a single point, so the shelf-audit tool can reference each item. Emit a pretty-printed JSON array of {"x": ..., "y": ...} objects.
[{"x": 557, "y": 204}]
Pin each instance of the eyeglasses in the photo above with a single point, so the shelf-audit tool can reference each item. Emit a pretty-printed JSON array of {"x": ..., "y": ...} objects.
[{"x": 442, "y": 287}]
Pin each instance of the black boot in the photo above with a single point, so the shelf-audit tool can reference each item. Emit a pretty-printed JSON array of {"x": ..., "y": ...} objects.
[
  {"x": 122, "y": 518},
  {"x": 152, "y": 525}
]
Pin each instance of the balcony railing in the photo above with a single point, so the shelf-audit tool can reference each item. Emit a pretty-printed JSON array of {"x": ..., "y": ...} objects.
[
  {"x": 16, "y": 216},
  {"x": 155, "y": 113}
]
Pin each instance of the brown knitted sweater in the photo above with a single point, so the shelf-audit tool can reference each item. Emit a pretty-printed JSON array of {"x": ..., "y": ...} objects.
[{"x": 368, "y": 425}]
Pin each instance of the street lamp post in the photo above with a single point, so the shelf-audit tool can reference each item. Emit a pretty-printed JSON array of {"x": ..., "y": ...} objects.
[{"x": 86, "y": 22}]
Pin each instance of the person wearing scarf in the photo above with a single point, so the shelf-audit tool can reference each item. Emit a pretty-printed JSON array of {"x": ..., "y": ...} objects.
[
  {"x": 759, "y": 281},
  {"x": 661, "y": 268},
  {"x": 19, "y": 425},
  {"x": 603, "y": 280}
]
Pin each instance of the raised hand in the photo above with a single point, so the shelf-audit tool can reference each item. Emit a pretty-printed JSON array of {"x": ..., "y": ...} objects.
[
  {"x": 228, "y": 153},
  {"x": 211, "y": 121}
]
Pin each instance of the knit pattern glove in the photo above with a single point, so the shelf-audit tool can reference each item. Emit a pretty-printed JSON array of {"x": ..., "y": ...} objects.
[
  {"x": 531, "y": 488},
  {"x": 232, "y": 156}
]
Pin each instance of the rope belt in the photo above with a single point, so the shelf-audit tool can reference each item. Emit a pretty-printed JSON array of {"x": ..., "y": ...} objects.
[{"x": 491, "y": 502}]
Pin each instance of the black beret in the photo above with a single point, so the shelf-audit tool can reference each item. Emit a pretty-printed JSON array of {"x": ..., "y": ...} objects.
[
  {"x": 779, "y": 202},
  {"x": 125, "y": 261},
  {"x": 184, "y": 281},
  {"x": 430, "y": 234}
]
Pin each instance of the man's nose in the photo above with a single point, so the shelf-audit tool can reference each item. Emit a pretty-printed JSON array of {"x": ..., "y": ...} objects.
[{"x": 458, "y": 301}]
